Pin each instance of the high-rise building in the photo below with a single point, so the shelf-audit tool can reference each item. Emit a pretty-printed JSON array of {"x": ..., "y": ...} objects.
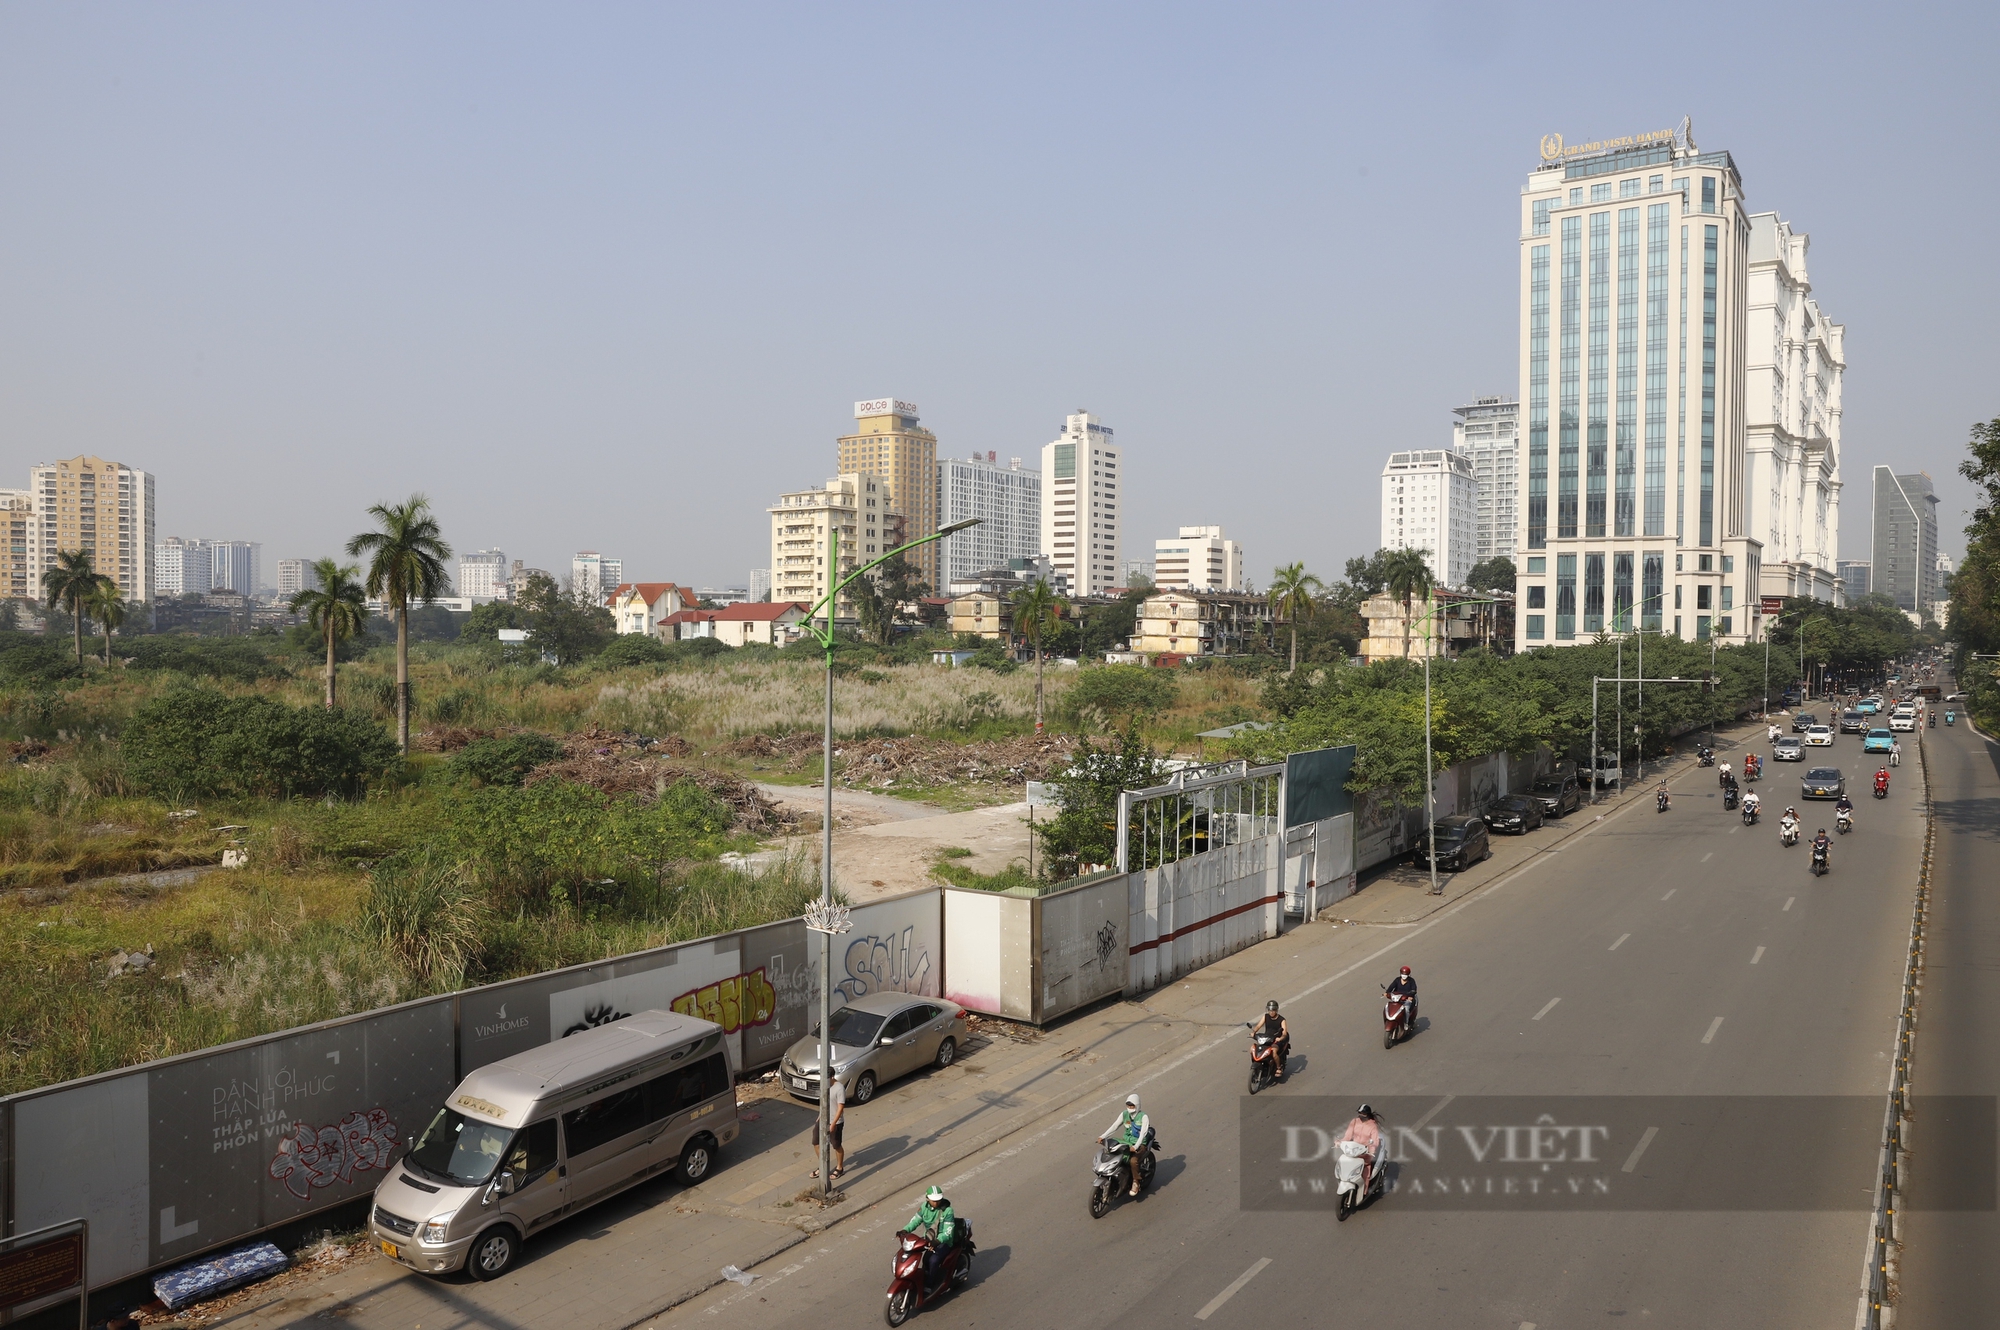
[
  {"x": 1854, "y": 576},
  {"x": 238, "y": 564},
  {"x": 1199, "y": 558},
  {"x": 106, "y": 508},
  {"x": 1006, "y": 499},
  {"x": 1081, "y": 534},
  {"x": 1430, "y": 502},
  {"x": 1904, "y": 540},
  {"x": 891, "y": 446},
  {"x": 592, "y": 576},
  {"x": 1796, "y": 358},
  {"x": 294, "y": 576},
  {"x": 1488, "y": 434},
  {"x": 855, "y": 505},
  {"x": 182, "y": 568},
  {"x": 760, "y": 584},
  {"x": 482, "y": 575},
  {"x": 17, "y": 518},
  {"x": 1634, "y": 276}
]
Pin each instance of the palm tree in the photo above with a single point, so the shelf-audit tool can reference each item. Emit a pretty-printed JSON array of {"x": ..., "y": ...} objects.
[
  {"x": 1038, "y": 611},
  {"x": 72, "y": 583},
  {"x": 1407, "y": 575},
  {"x": 1291, "y": 596},
  {"x": 334, "y": 608},
  {"x": 108, "y": 607},
  {"x": 406, "y": 563}
]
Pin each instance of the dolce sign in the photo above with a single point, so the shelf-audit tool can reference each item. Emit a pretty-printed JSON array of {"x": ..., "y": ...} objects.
[
  {"x": 884, "y": 406},
  {"x": 1554, "y": 150}
]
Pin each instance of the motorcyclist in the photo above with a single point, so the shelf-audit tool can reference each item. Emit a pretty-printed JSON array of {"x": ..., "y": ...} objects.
[
  {"x": 1788, "y": 825},
  {"x": 1129, "y": 1129},
  {"x": 1664, "y": 795},
  {"x": 1771, "y": 735},
  {"x": 1749, "y": 766},
  {"x": 1882, "y": 779},
  {"x": 1896, "y": 753},
  {"x": 939, "y": 1226},
  {"x": 1273, "y": 1025},
  {"x": 1822, "y": 844},
  {"x": 1751, "y": 805},
  {"x": 1365, "y": 1132},
  {"x": 1404, "y": 985},
  {"x": 1723, "y": 778},
  {"x": 1843, "y": 808}
]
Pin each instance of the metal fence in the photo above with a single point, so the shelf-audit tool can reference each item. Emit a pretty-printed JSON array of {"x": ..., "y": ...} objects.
[{"x": 1199, "y": 809}]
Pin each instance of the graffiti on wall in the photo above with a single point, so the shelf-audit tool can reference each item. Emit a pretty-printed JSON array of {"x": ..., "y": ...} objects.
[
  {"x": 310, "y": 1156},
  {"x": 886, "y": 965},
  {"x": 737, "y": 1002}
]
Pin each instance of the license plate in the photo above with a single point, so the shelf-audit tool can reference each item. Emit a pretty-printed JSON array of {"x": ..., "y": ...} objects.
[
  {"x": 798, "y": 1082},
  {"x": 389, "y": 1250}
]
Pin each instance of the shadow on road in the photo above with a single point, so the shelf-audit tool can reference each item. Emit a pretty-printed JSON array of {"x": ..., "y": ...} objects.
[{"x": 989, "y": 1262}]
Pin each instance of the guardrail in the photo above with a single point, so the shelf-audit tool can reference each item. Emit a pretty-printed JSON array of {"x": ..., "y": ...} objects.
[{"x": 1886, "y": 1226}]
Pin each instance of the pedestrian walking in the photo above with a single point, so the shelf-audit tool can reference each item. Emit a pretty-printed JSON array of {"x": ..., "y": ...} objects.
[{"x": 836, "y": 1118}]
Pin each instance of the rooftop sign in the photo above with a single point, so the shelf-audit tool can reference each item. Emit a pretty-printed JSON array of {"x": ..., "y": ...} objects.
[
  {"x": 885, "y": 406},
  {"x": 1555, "y": 150}
]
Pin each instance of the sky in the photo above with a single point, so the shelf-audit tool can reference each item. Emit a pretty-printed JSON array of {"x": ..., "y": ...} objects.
[{"x": 612, "y": 276}]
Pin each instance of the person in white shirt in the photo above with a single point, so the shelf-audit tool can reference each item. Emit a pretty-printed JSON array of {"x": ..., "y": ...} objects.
[
  {"x": 1129, "y": 1128},
  {"x": 836, "y": 1118}
]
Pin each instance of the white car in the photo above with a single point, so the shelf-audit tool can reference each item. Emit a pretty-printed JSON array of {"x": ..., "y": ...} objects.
[
  {"x": 1819, "y": 736},
  {"x": 1902, "y": 721}
]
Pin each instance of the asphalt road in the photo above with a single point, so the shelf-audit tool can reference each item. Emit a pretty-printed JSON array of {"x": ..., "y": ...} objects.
[
  {"x": 1950, "y": 1277},
  {"x": 1675, "y": 954}
]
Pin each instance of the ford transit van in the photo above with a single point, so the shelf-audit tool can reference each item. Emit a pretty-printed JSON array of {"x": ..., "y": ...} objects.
[{"x": 527, "y": 1140}]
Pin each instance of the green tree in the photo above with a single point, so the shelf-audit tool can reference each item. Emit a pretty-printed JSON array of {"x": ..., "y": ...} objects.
[
  {"x": 108, "y": 607},
  {"x": 486, "y": 621},
  {"x": 1291, "y": 594},
  {"x": 1038, "y": 611},
  {"x": 406, "y": 564},
  {"x": 1494, "y": 574},
  {"x": 335, "y": 609},
  {"x": 565, "y": 624},
  {"x": 199, "y": 741},
  {"x": 1085, "y": 830},
  {"x": 1405, "y": 575},
  {"x": 71, "y": 584}
]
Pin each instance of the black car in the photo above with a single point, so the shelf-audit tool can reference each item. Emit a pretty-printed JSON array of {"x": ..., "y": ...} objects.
[
  {"x": 1514, "y": 812},
  {"x": 1461, "y": 842},
  {"x": 1557, "y": 795},
  {"x": 1818, "y": 783},
  {"x": 1804, "y": 721},
  {"x": 1854, "y": 722}
]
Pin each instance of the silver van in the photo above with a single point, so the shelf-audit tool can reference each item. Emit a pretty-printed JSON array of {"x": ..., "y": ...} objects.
[{"x": 527, "y": 1140}]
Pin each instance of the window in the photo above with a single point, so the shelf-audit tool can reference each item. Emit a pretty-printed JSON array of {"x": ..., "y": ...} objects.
[
  {"x": 1654, "y": 184},
  {"x": 1541, "y": 216},
  {"x": 686, "y": 1087},
  {"x": 1629, "y": 189},
  {"x": 1729, "y": 563},
  {"x": 1565, "y": 596},
  {"x": 1576, "y": 196},
  {"x": 1538, "y": 564},
  {"x": 1593, "y": 593},
  {"x": 1723, "y": 625},
  {"x": 1535, "y": 622},
  {"x": 1600, "y": 191},
  {"x": 1598, "y": 401},
  {"x": 1728, "y": 600},
  {"x": 1701, "y": 626},
  {"x": 1570, "y": 341},
  {"x": 534, "y": 1152},
  {"x": 1621, "y": 593},
  {"x": 1677, "y": 562},
  {"x": 1708, "y": 193},
  {"x": 1702, "y": 596},
  {"x": 1677, "y": 602},
  {"x": 1538, "y": 597},
  {"x": 1706, "y": 562}
]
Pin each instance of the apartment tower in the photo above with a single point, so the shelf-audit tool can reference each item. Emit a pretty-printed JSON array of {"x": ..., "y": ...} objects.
[
  {"x": 901, "y": 455},
  {"x": 1200, "y": 558},
  {"x": 1430, "y": 502},
  {"x": 182, "y": 568},
  {"x": 1080, "y": 523},
  {"x": 1008, "y": 502},
  {"x": 1904, "y": 558},
  {"x": 1488, "y": 434},
  {"x": 17, "y": 519},
  {"x": 857, "y": 507},
  {"x": 106, "y": 508},
  {"x": 1635, "y": 259}
]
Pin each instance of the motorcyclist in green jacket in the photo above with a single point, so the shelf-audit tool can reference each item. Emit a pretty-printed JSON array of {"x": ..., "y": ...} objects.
[{"x": 935, "y": 1220}]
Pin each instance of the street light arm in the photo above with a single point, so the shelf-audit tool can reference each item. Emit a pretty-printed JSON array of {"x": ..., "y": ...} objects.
[{"x": 826, "y": 639}]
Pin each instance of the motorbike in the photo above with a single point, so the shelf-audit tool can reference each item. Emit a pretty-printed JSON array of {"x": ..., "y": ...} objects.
[
  {"x": 1729, "y": 798},
  {"x": 1705, "y": 758},
  {"x": 1752, "y": 770},
  {"x": 1788, "y": 832},
  {"x": 1263, "y": 1058},
  {"x": 1820, "y": 865},
  {"x": 1934, "y": 720},
  {"x": 1950, "y": 716},
  {"x": 1750, "y": 814},
  {"x": 1881, "y": 791},
  {"x": 1348, "y": 1168},
  {"x": 908, "y": 1289},
  {"x": 1660, "y": 798},
  {"x": 1397, "y": 1015},
  {"x": 1112, "y": 1172},
  {"x": 1843, "y": 821}
]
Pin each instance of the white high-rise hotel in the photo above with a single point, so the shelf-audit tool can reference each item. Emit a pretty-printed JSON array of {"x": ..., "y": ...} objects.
[
  {"x": 1636, "y": 263},
  {"x": 1080, "y": 519},
  {"x": 1429, "y": 502},
  {"x": 1488, "y": 434}
]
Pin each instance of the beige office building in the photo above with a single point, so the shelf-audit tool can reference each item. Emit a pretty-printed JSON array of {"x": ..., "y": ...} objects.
[
  {"x": 857, "y": 506},
  {"x": 90, "y": 504},
  {"x": 17, "y": 570},
  {"x": 891, "y": 446}
]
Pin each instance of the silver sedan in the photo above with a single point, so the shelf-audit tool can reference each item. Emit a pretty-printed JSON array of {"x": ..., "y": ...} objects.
[{"x": 876, "y": 1039}]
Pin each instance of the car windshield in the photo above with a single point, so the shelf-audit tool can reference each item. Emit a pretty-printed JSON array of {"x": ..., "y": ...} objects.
[
  {"x": 1512, "y": 803},
  {"x": 1548, "y": 787},
  {"x": 457, "y": 1150},
  {"x": 1823, "y": 774},
  {"x": 856, "y": 1029}
]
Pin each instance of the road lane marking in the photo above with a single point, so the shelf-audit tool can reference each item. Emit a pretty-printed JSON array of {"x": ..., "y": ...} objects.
[
  {"x": 1758, "y": 956},
  {"x": 1215, "y": 1303},
  {"x": 1436, "y": 1108},
  {"x": 1546, "y": 1010},
  {"x": 1619, "y": 943},
  {"x": 1713, "y": 1026},
  {"x": 1670, "y": 894},
  {"x": 1706, "y": 857},
  {"x": 1789, "y": 900},
  {"x": 1632, "y": 1160}
]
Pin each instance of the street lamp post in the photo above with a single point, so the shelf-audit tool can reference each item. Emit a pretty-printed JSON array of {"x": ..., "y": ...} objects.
[{"x": 826, "y": 918}]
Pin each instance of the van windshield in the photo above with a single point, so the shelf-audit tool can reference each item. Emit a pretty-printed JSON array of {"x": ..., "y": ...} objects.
[{"x": 457, "y": 1150}]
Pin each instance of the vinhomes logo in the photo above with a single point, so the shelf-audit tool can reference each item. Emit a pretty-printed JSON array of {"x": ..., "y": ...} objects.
[{"x": 501, "y": 1024}]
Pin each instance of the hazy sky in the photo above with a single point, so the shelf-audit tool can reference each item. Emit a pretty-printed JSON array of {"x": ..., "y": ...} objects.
[{"x": 612, "y": 276}]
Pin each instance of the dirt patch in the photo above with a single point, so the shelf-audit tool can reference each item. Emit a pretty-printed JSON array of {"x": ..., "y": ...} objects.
[
  {"x": 863, "y": 764},
  {"x": 639, "y": 765}
]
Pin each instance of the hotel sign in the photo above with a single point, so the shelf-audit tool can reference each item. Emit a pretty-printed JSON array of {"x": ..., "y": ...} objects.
[
  {"x": 1555, "y": 150},
  {"x": 885, "y": 406}
]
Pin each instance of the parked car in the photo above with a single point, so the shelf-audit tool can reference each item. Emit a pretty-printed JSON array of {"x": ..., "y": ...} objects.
[
  {"x": 1804, "y": 721},
  {"x": 1823, "y": 783},
  {"x": 1461, "y": 842},
  {"x": 1515, "y": 812},
  {"x": 1853, "y": 722},
  {"x": 1819, "y": 736},
  {"x": 876, "y": 1039},
  {"x": 1607, "y": 770},
  {"x": 1557, "y": 795},
  {"x": 1878, "y": 741},
  {"x": 1904, "y": 721},
  {"x": 1788, "y": 748}
]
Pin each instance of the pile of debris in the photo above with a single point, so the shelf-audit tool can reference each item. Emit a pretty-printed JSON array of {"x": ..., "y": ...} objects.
[
  {"x": 917, "y": 762},
  {"x": 644, "y": 766}
]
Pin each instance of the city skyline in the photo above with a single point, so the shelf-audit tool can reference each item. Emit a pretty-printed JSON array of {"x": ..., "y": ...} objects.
[{"x": 481, "y": 258}]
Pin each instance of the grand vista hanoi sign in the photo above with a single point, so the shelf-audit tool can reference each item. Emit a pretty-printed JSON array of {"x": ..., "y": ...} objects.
[{"x": 1555, "y": 150}]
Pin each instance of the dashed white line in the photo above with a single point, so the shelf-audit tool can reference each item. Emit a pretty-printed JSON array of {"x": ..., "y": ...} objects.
[
  {"x": 1619, "y": 943},
  {"x": 1789, "y": 900},
  {"x": 1670, "y": 894},
  {"x": 1713, "y": 1026},
  {"x": 1632, "y": 1160},
  {"x": 1549, "y": 1008},
  {"x": 1436, "y": 1108},
  {"x": 1758, "y": 955},
  {"x": 1706, "y": 857},
  {"x": 1215, "y": 1303}
]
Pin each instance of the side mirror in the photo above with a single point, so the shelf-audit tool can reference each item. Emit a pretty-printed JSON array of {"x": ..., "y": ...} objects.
[
  {"x": 507, "y": 1184},
  {"x": 888, "y": 1039}
]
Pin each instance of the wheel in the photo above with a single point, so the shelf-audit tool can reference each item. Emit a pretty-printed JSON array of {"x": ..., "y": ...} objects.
[
  {"x": 1388, "y": 1038},
  {"x": 493, "y": 1253},
  {"x": 1146, "y": 1167},
  {"x": 864, "y": 1088},
  {"x": 1342, "y": 1210},
  {"x": 1256, "y": 1077},
  {"x": 947, "y": 1052},
  {"x": 1100, "y": 1202},
  {"x": 962, "y": 1275},
  {"x": 697, "y": 1159},
  {"x": 901, "y": 1303}
]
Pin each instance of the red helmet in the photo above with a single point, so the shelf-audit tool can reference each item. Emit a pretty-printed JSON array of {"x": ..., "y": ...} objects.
[{"x": 1406, "y": 969}]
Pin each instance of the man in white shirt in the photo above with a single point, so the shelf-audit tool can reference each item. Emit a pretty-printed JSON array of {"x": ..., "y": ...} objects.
[{"x": 836, "y": 1117}]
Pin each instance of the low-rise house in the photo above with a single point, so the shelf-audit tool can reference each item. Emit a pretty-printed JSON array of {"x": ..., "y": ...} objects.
[
  {"x": 637, "y": 606},
  {"x": 1200, "y": 623},
  {"x": 983, "y": 614},
  {"x": 1464, "y": 620},
  {"x": 764, "y": 623}
]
